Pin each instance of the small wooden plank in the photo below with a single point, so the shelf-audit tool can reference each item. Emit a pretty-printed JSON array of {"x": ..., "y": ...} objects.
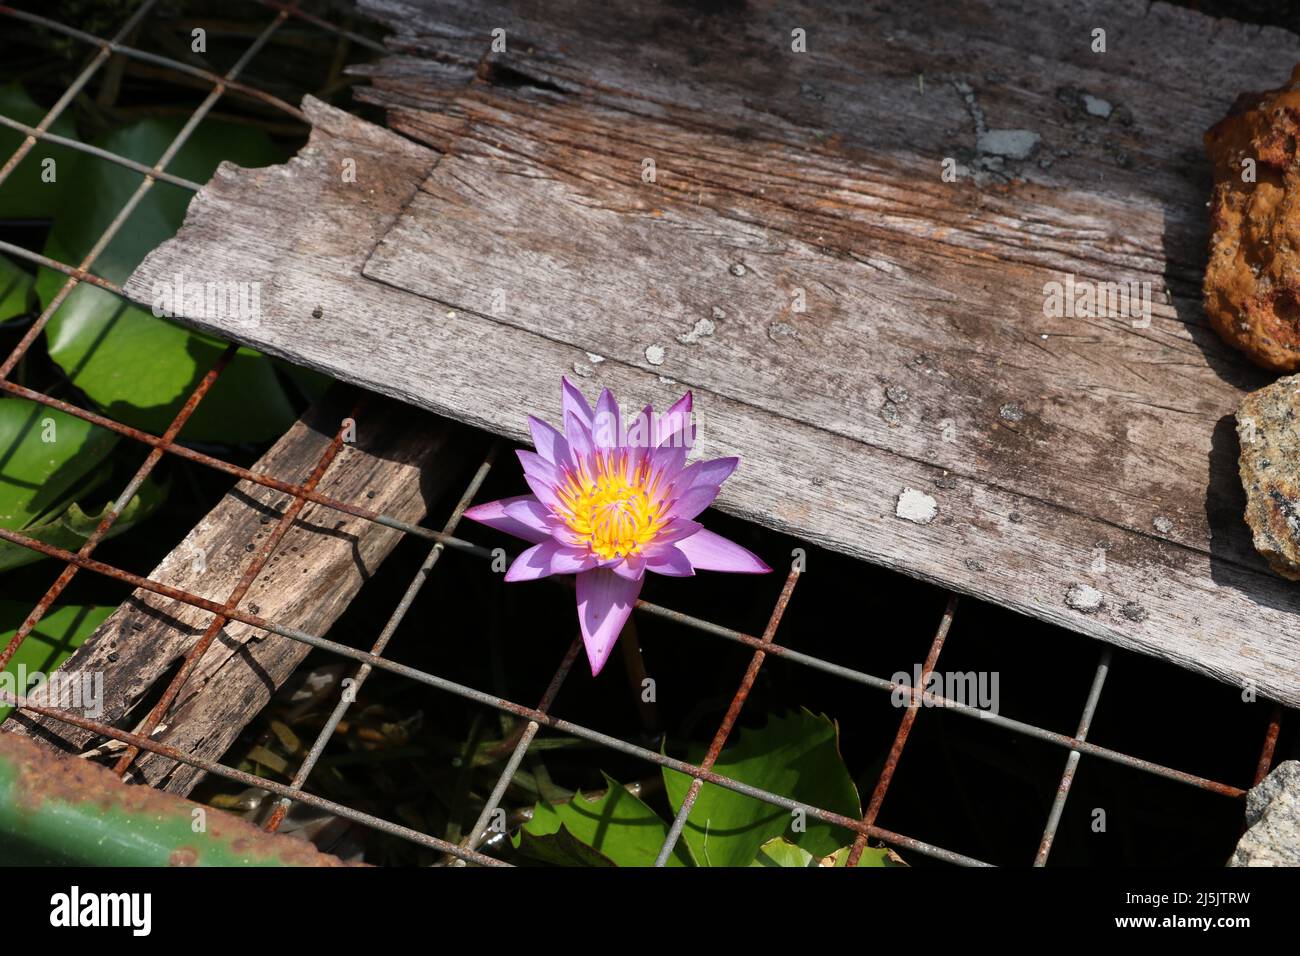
[
  {"x": 318, "y": 568},
  {"x": 529, "y": 245}
]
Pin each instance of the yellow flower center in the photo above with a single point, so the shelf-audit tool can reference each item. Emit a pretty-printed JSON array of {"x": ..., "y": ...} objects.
[{"x": 616, "y": 513}]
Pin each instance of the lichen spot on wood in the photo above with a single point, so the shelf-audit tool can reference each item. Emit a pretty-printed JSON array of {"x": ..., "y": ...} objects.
[{"x": 916, "y": 506}]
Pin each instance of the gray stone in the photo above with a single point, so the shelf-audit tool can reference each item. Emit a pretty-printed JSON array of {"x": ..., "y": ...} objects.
[
  {"x": 1270, "y": 472},
  {"x": 1273, "y": 816}
]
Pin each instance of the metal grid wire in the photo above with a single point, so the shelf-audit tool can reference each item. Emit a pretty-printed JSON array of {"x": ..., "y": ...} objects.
[{"x": 467, "y": 850}]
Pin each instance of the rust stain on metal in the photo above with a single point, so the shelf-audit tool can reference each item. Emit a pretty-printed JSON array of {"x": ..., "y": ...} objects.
[
  {"x": 183, "y": 856},
  {"x": 43, "y": 776},
  {"x": 904, "y": 729}
]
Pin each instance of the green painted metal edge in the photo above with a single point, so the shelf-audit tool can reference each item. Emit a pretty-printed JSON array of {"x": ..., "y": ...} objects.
[{"x": 56, "y": 809}]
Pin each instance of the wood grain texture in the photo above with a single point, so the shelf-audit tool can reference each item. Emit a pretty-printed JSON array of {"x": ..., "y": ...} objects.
[
  {"x": 524, "y": 243},
  {"x": 319, "y": 566}
]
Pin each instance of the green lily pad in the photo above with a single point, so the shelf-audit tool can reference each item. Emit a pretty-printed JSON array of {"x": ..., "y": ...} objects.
[
  {"x": 16, "y": 283},
  {"x": 797, "y": 756},
  {"x": 44, "y": 455},
  {"x": 47, "y": 461},
  {"x": 59, "y": 633},
  {"x": 26, "y": 194},
  {"x": 136, "y": 366},
  {"x": 617, "y": 827},
  {"x": 70, "y": 527},
  {"x": 781, "y": 852}
]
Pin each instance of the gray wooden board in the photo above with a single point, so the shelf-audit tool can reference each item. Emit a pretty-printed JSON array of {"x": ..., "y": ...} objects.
[
  {"x": 1063, "y": 453},
  {"x": 400, "y": 455}
]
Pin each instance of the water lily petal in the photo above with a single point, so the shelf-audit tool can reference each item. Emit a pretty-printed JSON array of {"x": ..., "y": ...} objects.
[
  {"x": 693, "y": 501},
  {"x": 712, "y": 472},
  {"x": 550, "y": 444},
  {"x": 534, "y": 563},
  {"x": 604, "y": 602},
  {"x": 494, "y": 515},
  {"x": 607, "y": 426},
  {"x": 665, "y": 465},
  {"x": 674, "y": 530},
  {"x": 713, "y": 552},
  {"x": 531, "y": 513},
  {"x": 572, "y": 401},
  {"x": 641, "y": 432},
  {"x": 542, "y": 477},
  {"x": 671, "y": 561},
  {"x": 562, "y": 533},
  {"x": 580, "y": 440},
  {"x": 675, "y": 427},
  {"x": 549, "y": 557},
  {"x": 632, "y": 568}
]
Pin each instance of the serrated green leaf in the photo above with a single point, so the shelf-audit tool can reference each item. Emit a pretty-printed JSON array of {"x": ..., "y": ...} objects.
[
  {"x": 136, "y": 366},
  {"x": 617, "y": 825},
  {"x": 781, "y": 852},
  {"x": 560, "y": 848},
  {"x": 797, "y": 756},
  {"x": 59, "y": 633}
]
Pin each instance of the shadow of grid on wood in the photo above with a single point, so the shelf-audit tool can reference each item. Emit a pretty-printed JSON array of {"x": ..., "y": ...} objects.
[{"x": 1074, "y": 747}]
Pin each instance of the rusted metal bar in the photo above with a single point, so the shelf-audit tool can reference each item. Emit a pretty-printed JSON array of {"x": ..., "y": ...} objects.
[
  {"x": 1270, "y": 745},
  {"x": 904, "y": 729},
  {"x": 394, "y": 621},
  {"x": 303, "y": 15},
  {"x": 81, "y": 275},
  {"x": 111, "y": 230},
  {"x": 111, "y": 516},
  {"x": 195, "y": 653},
  {"x": 479, "y": 831},
  {"x": 1072, "y": 761},
  {"x": 729, "y": 719},
  {"x": 257, "y": 478},
  {"x": 227, "y": 82},
  {"x": 930, "y": 699},
  {"x": 76, "y": 144},
  {"x": 91, "y": 68}
]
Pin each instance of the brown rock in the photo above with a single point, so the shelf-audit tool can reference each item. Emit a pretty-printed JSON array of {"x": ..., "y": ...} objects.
[
  {"x": 1252, "y": 282},
  {"x": 1268, "y": 427}
]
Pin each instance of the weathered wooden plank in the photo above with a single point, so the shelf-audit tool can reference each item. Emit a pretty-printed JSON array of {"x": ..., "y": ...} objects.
[
  {"x": 319, "y": 566},
  {"x": 1216, "y": 615}
]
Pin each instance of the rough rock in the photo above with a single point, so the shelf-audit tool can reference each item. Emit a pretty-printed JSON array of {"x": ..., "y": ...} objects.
[
  {"x": 1268, "y": 430},
  {"x": 1252, "y": 281},
  {"x": 1273, "y": 818}
]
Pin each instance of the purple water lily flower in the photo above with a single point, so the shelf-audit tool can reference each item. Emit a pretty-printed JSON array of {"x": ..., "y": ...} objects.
[{"x": 611, "y": 501}]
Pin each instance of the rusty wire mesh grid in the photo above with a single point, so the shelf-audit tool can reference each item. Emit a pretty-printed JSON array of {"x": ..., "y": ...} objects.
[{"x": 467, "y": 850}]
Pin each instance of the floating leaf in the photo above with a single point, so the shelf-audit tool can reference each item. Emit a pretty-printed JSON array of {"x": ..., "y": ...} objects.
[
  {"x": 16, "y": 296},
  {"x": 26, "y": 194},
  {"x": 797, "y": 756},
  {"x": 59, "y": 633},
  {"x": 136, "y": 366},
  {"x": 70, "y": 527},
  {"x": 47, "y": 460},
  {"x": 44, "y": 454},
  {"x": 781, "y": 852},
  {"x": 616, "y": 826}
]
